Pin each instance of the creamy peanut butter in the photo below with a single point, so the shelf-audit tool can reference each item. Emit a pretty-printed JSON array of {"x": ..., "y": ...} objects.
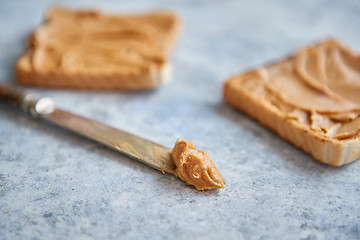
[
  {"x": 195, "y": 166},
  {"x": 319, "y": 87},
  {"x": 74, "y": 41}
]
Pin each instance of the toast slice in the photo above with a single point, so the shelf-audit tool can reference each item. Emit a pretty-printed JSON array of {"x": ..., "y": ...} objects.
[
  {"x": 96, "y": 51},
  {"x": 310, "y": 99}
]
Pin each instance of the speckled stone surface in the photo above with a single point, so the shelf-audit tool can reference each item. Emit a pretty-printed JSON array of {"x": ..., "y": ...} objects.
[{"x": 55, "y": 185}]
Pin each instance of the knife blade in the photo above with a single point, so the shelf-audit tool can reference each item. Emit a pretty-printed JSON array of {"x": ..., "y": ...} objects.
[{"x": 143, "y": 150}]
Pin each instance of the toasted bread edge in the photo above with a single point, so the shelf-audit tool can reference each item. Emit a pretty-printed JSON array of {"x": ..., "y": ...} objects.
[{"x": 335, "y": 152}]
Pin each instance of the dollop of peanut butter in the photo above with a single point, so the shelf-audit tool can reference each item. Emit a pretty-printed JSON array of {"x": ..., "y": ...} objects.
[{"x": 195, "y": 166}]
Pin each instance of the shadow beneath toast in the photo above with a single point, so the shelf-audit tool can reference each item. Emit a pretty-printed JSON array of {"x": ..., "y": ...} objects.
[
  {"x": 11, "y": 56},
  {"x": 294, "y": 157}
]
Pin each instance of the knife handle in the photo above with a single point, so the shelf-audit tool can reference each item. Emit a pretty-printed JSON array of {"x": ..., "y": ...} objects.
[{"x": 26, "y": 102}]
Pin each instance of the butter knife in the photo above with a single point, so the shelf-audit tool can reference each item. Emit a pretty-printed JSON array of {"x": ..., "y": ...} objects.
[{"x": 143, "y": 150}]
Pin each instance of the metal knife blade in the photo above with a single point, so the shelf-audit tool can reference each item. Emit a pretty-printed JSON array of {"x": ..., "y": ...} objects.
[{"x": 148, "y": 152}]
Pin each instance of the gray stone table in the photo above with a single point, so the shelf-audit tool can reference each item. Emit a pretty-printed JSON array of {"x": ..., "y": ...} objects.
[{"x": 56, "y": 185}]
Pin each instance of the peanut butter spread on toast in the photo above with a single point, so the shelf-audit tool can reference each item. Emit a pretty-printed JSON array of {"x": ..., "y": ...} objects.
[
  {"x": 311, "y": 99},
  {"x": 319, "y": 87},
  {"x": 195, "y": 166},
  {"x": 78, "y": 41}
]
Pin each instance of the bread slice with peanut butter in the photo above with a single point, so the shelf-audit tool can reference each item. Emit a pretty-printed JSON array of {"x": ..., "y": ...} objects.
[
  {"x": 92, "y": 50},
  {"x": 310, "y": 99}
]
